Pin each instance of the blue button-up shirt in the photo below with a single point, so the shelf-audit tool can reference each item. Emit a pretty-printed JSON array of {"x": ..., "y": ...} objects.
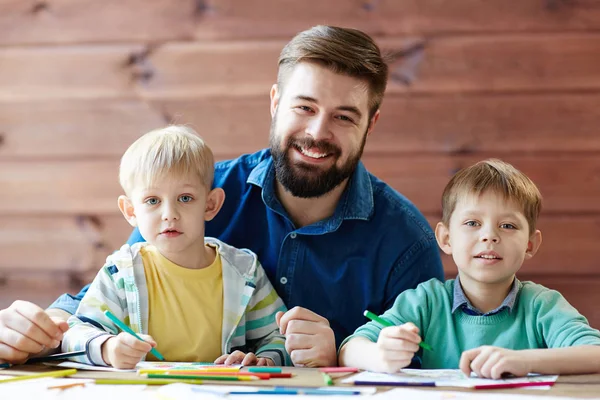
[
  {"x": 374, "y": 246},
  {"x": 461, "y": 301}
]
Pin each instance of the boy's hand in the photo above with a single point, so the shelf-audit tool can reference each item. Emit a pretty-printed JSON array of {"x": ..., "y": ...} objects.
[
  {"x": 125, "y": 351},
  {"x": 26, "y": 330},
  {"x": 493, "y": 362},
  {"x": 397, "y": 346},
  {"x": 239, "y": 357}
]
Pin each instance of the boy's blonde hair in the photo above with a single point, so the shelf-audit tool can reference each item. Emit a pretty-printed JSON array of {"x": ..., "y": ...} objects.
[
  {"x": 499, "y": 177},
  {"x": 175, "y": 149}
]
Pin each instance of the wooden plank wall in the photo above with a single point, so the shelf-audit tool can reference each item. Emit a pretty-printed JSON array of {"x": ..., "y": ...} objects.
[{"x": 470, "y": 79}]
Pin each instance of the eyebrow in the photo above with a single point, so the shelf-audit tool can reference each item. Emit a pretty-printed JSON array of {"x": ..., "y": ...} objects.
[
  {"x": 472, "y": 211},
  {"x": 351, "y": 109}
]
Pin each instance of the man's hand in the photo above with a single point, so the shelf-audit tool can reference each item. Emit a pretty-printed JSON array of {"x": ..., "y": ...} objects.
[
  {"x": 239, "y": 357},
  {"x": 492, "y": 362},
  {"x": 396, "y": 346},
  {"x": 26, "y": 330},
  {"x": 309, "y": 340},
  {"x": 125, "y": 351}
]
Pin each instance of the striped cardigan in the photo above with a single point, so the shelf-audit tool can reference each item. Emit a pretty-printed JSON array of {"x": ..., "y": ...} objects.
[{"x": 249, "y": 305}]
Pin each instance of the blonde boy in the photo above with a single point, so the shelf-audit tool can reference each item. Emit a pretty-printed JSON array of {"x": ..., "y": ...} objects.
[
  {"x": 194, "y": 298},
  {"x": 486, "y": 321}
]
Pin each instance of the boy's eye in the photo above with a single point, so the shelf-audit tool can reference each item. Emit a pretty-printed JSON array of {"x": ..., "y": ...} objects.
[
  {"x": 508, "y": 226},
  {"x": 152, "y": 201},
  {"x": 185, "y": 198},
  {"x": 472, "y": 223}
]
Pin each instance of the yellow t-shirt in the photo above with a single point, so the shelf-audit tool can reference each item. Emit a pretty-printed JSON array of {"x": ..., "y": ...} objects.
[{"x": 185, "y": 308}]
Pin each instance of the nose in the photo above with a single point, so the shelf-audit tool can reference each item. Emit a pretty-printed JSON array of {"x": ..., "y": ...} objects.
[
  {"x": 169, "y": 212},
  {"x": 490, "y": 235},
  {"x": 318, "y": 127}
]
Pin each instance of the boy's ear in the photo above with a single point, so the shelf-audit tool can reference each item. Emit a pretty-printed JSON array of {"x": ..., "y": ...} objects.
[
  {"x": 533, "y": 245},
  {"x": 442, "y": 235},
  {"x": 126, "y": 207},
  {"x": 214, "y": 202},
  {"x": 274, "y": 94}
]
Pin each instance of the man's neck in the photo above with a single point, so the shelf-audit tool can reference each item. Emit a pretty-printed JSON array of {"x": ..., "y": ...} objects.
[
  {"x": 486, "y": 297},
  {"x": 307, "y": 211}
]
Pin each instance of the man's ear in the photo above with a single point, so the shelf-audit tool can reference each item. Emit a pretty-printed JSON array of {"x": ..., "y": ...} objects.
[
  {"x": 533, "y": 245},
  {"x": 372, "y": 123},
  {"x": 214, "y": 202},
  {"x": 274, "y": 94},
  {"x": 126, "y": 207},
  {"x": 442, "y": 235}
]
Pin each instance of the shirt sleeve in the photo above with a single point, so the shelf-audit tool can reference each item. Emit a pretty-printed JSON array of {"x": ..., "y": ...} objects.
[
  {"x": 135, "y": 237},
  {"x": 560, "y": 324},
  {"x": 68, "y": 302},
  {"x": 262, "y": 332}
]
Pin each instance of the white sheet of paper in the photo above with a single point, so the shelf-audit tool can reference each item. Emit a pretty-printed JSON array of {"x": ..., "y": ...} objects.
[
  {"x": 444, "y": 377},
  {"x": 185, "y": 391},
  {"x": 416, "y": 394},
  {"x": 87, "y": 367}
]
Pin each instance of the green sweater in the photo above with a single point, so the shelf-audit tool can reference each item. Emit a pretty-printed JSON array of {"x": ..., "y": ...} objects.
[{"x": 541, "y": 318}]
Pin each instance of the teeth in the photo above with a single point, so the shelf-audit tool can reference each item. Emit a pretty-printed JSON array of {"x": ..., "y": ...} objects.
[
  {"x": 489, "y": 257},
  {"x": 312, "y": 154}
]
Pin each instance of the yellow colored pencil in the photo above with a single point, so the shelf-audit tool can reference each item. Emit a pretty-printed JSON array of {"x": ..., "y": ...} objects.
[
  {"x": 52, "y": 374},
  {"x": 146, "y": 381},
  {"x": 160, "y": 371}
]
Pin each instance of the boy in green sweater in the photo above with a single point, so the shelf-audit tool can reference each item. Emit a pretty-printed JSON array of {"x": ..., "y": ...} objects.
[{"x": 485, "y": 321}]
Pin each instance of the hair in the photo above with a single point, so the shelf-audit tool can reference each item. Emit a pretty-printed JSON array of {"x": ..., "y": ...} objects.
[
  {"x": 496, "y": 176},
  {"x": 175, "y": 149},
  {"x": 341, "y": 50}
]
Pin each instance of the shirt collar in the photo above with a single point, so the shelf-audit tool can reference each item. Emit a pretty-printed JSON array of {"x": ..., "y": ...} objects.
[
  {"x": 460, "y": 299},
  {"x": 356, "y": 202}
]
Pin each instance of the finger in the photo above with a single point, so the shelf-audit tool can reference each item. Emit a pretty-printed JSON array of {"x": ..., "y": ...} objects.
[
  {"x": 221, "y": 359},
  {"x": 17, "y": 341},
  {"x": 38, "y": 317},
  {"x": 12, "y": 355},
  {"x": 305, "y": 327},
  {"x": 400, "y": 332},
  {"x": 235, "y": 358},
  {"x": 62, "y": 325},
  {"x": 148, "y": 339},
  {"x": 132, "y": 342},
  {"x": 466, "y": 358},
  {"x": 278, "y": 316},
  {"x": 300, "y": 313},
  {"x": 299, "y": 342},
  {"x": 250, "y": 359},
  {"x": 492, "y": 359},
  {"x": 27, "y": 331},
  {"x": 262, "y": 362}
]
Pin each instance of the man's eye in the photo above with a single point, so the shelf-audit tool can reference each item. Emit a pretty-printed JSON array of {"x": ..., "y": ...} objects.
[
  {"x": 345, "y": 118},
  {"x": 152, "y": 201},
  {"x": 185, "y": 198}
]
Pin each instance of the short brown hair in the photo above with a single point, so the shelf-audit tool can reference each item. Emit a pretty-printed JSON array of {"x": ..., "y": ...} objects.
[
  {"x": 175, "y": 149},
  {"x": 499, "y": 177},
  {"x": 342, "y": 50}
]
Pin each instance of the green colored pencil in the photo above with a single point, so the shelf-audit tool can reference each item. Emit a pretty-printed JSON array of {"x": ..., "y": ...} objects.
[
  {"x": 327, "y": 379},
  {"x": 127, "y": 329},
  {"x": 383, "y": 322},
  {"x": 171, "y": 375}
]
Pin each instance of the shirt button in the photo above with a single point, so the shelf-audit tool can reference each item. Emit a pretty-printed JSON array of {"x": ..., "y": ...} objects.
[
  {"x": 283, "y": 280},
  {"x": 293, "y": 235}
]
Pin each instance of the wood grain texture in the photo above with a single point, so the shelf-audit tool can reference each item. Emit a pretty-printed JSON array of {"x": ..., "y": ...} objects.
[
  {"x": 76, "y": 21},
  {"x": 284, "y": 18}
]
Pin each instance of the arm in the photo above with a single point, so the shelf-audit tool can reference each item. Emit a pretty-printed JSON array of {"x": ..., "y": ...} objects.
[{"x": 394, "y": 349}]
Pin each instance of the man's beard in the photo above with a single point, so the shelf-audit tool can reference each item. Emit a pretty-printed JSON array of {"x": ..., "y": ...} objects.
[{"x": 306, "y": 180}]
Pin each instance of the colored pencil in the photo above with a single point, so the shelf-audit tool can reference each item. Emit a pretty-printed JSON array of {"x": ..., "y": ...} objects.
[
  {"x": 144, "y": 381},
  {"x": 385, "y": 323},
  {"x": 265, "y": 369},
  {"x": 327, "y": 379},
  {"x": 205, "y": 377},
  {"x": 127, "y": 329},
  {"x": 51, "y": 374}
]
